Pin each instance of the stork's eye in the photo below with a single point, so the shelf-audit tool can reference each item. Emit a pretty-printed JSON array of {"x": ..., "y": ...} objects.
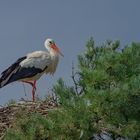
[{"x": 50, "y": 42}]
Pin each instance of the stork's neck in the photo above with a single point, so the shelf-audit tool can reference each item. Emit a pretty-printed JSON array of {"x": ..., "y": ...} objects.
[
  {"x": 54, "y": 59},
  {"x": 53, "y": 54}
]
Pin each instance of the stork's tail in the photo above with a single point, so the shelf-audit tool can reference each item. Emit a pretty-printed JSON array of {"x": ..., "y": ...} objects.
[
  {"x": 3, "y": 83},
  {"x": 7, "y": 78},
  {"x": 7, "y": 75}
]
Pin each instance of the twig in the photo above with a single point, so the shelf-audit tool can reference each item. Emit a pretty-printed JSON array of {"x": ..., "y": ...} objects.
[
  {"x": 75, "y": 82},
  {"x": 73, "y": 78}
]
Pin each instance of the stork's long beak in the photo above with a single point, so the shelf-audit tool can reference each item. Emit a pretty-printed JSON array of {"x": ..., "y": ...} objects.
[{"x": 57, "y": 49}]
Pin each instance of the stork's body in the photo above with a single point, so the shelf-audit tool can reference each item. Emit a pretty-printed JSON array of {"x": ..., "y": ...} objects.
[{"x": 32, "y": 66}]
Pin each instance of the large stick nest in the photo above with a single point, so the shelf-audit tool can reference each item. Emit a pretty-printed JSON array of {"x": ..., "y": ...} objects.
[{"x": 8, "y": 113}]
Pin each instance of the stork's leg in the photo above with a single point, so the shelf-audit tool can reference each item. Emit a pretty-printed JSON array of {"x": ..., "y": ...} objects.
[
  {"x": 31, "y": 83},
  {"x": 33, "y": 91}
]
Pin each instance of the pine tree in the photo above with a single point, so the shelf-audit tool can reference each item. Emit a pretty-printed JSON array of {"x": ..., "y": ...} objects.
[
  {"x": 111, "y": 78},
  {"x": 105, "y": 97}
]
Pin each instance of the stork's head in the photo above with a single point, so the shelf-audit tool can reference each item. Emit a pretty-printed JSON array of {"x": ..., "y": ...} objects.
[{"x": 51, "y": 46}]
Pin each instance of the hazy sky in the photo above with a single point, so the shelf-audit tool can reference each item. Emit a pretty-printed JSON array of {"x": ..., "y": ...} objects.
[{"x": 25, "y": 24}]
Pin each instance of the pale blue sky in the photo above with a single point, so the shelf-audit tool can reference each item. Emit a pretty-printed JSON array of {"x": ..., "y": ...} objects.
[{"x": 25, "y": 24}]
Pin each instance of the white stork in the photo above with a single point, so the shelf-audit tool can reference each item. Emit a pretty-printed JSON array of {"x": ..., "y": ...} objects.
[{"x": 31, "y": 67}]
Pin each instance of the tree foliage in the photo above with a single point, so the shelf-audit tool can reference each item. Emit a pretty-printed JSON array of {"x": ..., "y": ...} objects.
[
  {"x": 111, "y": 78},
  {"x": 105, "y": 97}
]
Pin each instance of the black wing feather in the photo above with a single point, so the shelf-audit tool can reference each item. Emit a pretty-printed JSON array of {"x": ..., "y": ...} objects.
[
  {"x": 15, "y": 72},
  {"x": 24, "y": 73},
  {"x": 5, "y": 74},
  {"x": 12, "y": 67}
]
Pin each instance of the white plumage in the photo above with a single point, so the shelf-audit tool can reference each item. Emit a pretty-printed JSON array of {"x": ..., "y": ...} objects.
[
  {"x": 38, "y": 59},
  {"x": 32, "y": 66}
]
